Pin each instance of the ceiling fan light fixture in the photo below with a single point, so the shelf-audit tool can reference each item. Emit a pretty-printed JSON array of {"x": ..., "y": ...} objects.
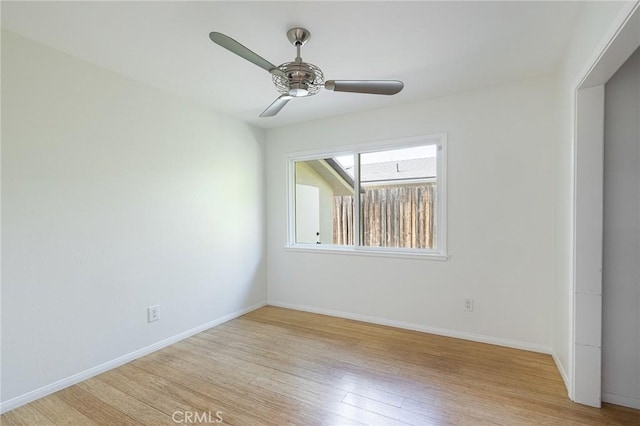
[
  {"x": 301, "y": 79},
  {"x": 298, "y": 92}
]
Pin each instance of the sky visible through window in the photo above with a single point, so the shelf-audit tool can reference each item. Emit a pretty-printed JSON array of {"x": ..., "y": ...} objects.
[{"x": 346, "y": 161}]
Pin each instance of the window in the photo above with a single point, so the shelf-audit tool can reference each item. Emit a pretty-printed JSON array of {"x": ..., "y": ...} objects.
[{"x": 399, "y": 209}]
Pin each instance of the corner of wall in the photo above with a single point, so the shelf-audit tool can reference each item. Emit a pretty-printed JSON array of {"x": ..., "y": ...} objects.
[{"x": 43, "y": 391}]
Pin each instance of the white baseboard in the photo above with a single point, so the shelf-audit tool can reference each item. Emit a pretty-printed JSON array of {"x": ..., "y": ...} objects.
[
  {"x": 94, "y": 371},
  {"x": 563, "y": 374},
  {"x": 516, "y": 344},
  {"x": 626, "y": 401}
]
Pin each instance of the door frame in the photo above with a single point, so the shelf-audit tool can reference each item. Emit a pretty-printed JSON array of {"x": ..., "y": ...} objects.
[{"x": 588, "y": 157}]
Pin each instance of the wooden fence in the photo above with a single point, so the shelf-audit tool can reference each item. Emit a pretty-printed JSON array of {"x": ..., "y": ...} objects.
[{"x": 392, "y": 216}]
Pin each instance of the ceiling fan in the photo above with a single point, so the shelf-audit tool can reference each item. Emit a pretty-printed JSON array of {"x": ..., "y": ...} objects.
[{"x": 299, "y": 79}]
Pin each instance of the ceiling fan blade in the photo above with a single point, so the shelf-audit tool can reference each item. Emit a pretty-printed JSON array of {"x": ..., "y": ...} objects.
[
  {"x": 235, "y": 47},
  {"x": 276, "y": 106},
  {"x": 374, "y": 87}
]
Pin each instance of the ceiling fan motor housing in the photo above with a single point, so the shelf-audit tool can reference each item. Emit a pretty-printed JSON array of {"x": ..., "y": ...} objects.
[{"x": 302, "y": 79}]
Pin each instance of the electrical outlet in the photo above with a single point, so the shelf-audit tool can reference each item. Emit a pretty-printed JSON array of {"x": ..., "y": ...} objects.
[
  {"x": 153, "y": 313},
  {"x": 468, "y": 305}
]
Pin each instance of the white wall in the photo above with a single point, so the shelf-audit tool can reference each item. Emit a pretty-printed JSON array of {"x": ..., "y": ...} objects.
[
  {"x": 116, "y": 196},
  {"x": 621, "y": 254},
  {"x": 500, "y": 192},
  {"x": 591, "y": 35}
]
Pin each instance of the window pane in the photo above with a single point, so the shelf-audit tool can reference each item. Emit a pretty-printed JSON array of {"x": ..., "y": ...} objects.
[
  {"x": 398, "y": 198},
  {"x": 324, "y": 207}
]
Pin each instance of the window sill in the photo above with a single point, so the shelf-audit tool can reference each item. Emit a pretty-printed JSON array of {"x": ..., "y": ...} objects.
[{"x": 352, "y": 251}]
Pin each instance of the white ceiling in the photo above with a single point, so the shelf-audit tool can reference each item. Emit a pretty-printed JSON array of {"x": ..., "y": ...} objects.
[{"x": 436, "y": 48}]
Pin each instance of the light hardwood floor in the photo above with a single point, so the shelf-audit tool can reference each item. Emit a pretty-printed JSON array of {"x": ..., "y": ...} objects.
[{"x": 276, "y": 366}]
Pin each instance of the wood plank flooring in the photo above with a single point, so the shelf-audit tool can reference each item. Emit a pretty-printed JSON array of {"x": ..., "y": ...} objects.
[{"x": 276, "y": 366}]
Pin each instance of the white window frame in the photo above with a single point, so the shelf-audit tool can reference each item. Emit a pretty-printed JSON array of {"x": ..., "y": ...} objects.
[{"x": 439, "y": 253}]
